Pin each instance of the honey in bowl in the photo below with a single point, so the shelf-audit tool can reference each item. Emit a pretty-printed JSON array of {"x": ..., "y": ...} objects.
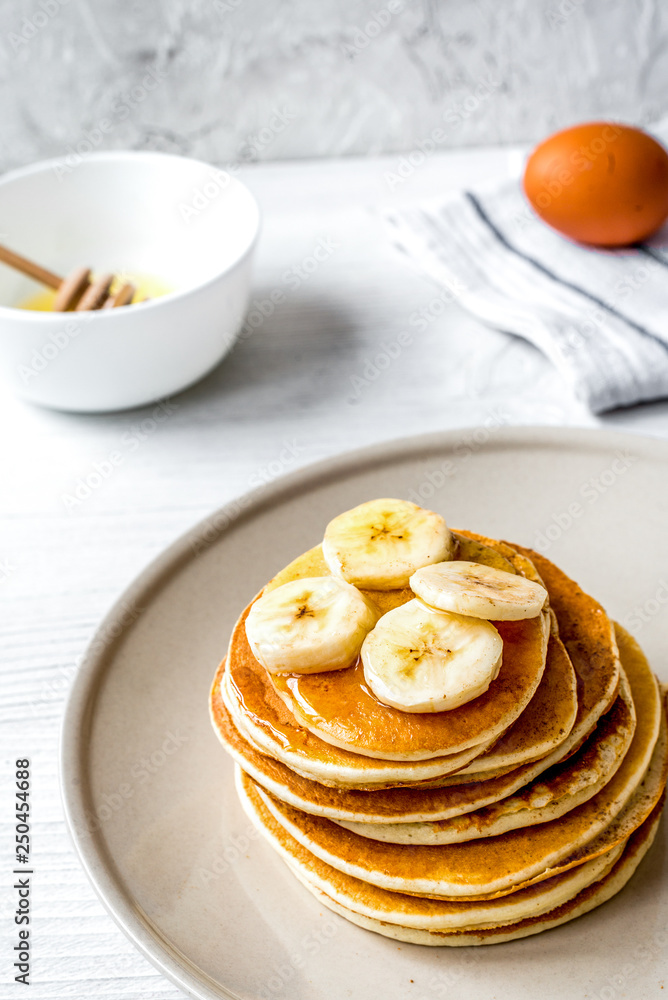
[{"x": 147, "y": 287}]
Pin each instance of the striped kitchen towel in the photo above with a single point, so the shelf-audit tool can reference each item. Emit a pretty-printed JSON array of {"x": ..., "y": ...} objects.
[{"x": 601, "y": 316}]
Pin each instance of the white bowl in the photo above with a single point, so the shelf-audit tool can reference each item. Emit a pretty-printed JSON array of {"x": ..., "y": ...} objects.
[{"x": 187, "y": 223}]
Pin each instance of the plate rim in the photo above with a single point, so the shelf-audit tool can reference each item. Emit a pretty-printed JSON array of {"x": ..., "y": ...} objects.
[{"x": 91, "y": 851}]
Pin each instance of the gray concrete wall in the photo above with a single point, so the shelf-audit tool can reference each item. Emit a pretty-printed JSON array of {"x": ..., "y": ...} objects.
[{"x": 230, "y": 80}]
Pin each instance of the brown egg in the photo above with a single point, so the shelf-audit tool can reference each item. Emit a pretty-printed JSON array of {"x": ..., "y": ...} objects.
[{"x": 600, "y": 183}]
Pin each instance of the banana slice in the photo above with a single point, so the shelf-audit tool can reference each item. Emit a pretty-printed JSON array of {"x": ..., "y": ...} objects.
[
  {"x": 310, "y": 625},
  {"x": 380, "y": 543},
  {"x": 420, "y": 660},
  {"x": 468, "y": 588}
]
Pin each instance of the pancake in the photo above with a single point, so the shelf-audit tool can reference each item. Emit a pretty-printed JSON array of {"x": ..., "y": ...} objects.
[
  {"x": 278, "y": 735},
  {"x": 415, "y": 911},
  {"x": 344, "y": 711},
  {"x": 564, "y": 787},
  {"x": 343, "y": 702},
  {"x": 587, "y": 634},
  {"x": 381, "y": 805},
  {"x": 392, "y": 805},
  {"x": 264, "y": 721},
  {"x": 591, "y": 642},
  {"x": 546, "y": 721},
  {"x": 587, "y": 899},
  {"x": 498, "y": 864},
  {"x": 306, "y": 764},
  {"x": 341, "y": 709},
  {"x": 510, "y": 814},
  {"x": 407, "y": 804}
]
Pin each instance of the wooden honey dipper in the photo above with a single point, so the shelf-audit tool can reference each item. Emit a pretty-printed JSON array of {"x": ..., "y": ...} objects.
[{"x": 77, "y": 291}]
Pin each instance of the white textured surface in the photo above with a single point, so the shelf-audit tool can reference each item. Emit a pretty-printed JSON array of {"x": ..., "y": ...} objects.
[
  {"x": 298, "y": 389},
  {"x": 350, "y": 76}
]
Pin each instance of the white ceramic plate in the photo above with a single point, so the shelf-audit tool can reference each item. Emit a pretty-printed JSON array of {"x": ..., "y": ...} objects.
[{"x": 148, "y": 789}]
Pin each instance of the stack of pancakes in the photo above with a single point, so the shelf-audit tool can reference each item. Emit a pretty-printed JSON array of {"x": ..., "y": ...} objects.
[{"x": 508, "y": 815}]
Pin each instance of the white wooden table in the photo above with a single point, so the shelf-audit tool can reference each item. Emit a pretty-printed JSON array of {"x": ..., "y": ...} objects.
[{"x": 360, "y": 349}]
